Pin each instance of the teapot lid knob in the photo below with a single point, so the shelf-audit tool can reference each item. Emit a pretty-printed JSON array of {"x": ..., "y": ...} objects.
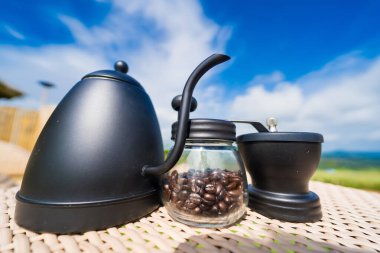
[{"x": 121, "y": 66}]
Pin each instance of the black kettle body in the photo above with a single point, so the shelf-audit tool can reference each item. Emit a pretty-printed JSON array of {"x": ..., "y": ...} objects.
[
  {"x": 97, "y": 161},
  {"x": 84, "y": 172}
]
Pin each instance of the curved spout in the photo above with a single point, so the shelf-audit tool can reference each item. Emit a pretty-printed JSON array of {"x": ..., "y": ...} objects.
[{"x": 183, "y": 115}]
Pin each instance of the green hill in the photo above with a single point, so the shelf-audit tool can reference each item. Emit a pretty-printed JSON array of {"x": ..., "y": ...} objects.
[{"x": 354, "y": 169}]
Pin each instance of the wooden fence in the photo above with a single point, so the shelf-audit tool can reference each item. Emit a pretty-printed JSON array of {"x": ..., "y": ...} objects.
[{"x": 22, "y": 126}]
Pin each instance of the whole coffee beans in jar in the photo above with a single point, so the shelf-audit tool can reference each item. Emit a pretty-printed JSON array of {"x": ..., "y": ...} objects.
[
  {"x": 207, "y": 198},
  {"x": 208, "y": 186}
]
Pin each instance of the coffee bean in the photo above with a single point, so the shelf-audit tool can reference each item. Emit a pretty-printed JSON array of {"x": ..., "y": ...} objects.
[
  {"x": 186, "y": 187},
  {"x": 231, "y": 186},
  {"x": 195, "y": 188},
  {"x": 179, "y": 204},
  {"x": 222, "y": 194},
  {"x": 194, "y": 195},
  {"x": 236, "y": 179},
  {"x": 223, "y": 174},
  {"x": 197, "y": 210},
  {"x": 182, "y": 195},
  {"x": 200, "y": 182},
  {"x": 174, "y": 175},
  {"x": 182, "y": 181},
  {"x": 222, "y": 206},
  {"x": 232, "y": 173},
  {"x": 210, "y": 188},
  {"x": 176, "y": 188},
  {"x": 219, "y": 188},
  {"x": 215, "y": 176},
  {"x": 195, "y": 198},
  {"x": 227, "y": 200},
  {"x": 207, "y": 193},
  {"x": 210, "y": 197},
  {"x": 208, "y": 202},
  {"x": 214, "y": 209},
  {"x": 174, "y": 197},
  {"x": 224, "y": 181},
  {"x": 204, "y": 207},
  {"x": 171, "y": 184},
  {"x": 234, "y": 193},
  {"x": 190, "y": 205}
]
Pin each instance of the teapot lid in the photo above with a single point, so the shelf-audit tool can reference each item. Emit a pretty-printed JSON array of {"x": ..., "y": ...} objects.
[
  {"x": 120, "y": 74},
  {"x": 210, "y": 129}
]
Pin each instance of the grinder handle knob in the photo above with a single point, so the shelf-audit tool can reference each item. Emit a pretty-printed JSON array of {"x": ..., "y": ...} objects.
[{"x": 272, "y": 124}]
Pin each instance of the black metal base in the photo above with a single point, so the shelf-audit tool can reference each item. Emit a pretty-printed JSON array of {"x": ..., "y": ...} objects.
[
  {"x": 286, "y": 207},
  {"x": 79, "y": 218}
]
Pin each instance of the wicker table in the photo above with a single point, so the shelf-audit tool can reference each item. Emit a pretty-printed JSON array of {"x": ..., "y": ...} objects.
[{"x": 351, "y": 223}]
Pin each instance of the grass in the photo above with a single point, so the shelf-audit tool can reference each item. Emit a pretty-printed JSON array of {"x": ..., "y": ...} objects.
[{"x": 366, "y": 178}]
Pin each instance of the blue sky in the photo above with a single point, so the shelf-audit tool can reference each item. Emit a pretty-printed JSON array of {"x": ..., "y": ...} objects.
[
  {"x": 295, "y": 36},
  {"x": 312, "y": 64}
]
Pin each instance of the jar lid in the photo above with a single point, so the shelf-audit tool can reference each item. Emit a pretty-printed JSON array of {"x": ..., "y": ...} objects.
[
  {"x": 281, "y": 137},
  {"x": 209, "y": 129},
  {"x": 120, "y": 74}
]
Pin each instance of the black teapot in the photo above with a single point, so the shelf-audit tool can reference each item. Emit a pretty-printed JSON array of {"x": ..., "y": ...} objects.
[{"x": 91, "y": 165}]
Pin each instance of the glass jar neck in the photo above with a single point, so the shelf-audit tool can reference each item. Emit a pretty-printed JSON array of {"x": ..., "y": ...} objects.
[{"x": 205, "y": 142}]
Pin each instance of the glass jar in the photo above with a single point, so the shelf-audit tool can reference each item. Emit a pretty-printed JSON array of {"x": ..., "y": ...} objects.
[{"x": 208, "y": 186}]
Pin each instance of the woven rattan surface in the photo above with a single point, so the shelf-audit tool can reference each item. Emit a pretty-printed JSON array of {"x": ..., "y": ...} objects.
[{"x": 351, "y": 223}]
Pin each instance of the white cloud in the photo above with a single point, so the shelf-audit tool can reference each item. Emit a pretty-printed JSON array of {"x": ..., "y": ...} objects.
[
  {"x": 62, "y": 65},
  {"x": 283, "y": 101},
  {"x": 341, "y": 101},
  {"x": 274, "y": 77},
  {"x": 162, "y": 41},
  {"x": 13, "y": 32}
]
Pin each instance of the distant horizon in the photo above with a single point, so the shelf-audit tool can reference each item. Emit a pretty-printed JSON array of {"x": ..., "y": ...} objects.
[{"x": 370, "y": 153}]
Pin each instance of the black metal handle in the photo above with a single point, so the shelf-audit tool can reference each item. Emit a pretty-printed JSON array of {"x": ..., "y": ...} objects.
[
  {"x": 183, "y": 115},
  {"x": 257, "y": 125}
]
